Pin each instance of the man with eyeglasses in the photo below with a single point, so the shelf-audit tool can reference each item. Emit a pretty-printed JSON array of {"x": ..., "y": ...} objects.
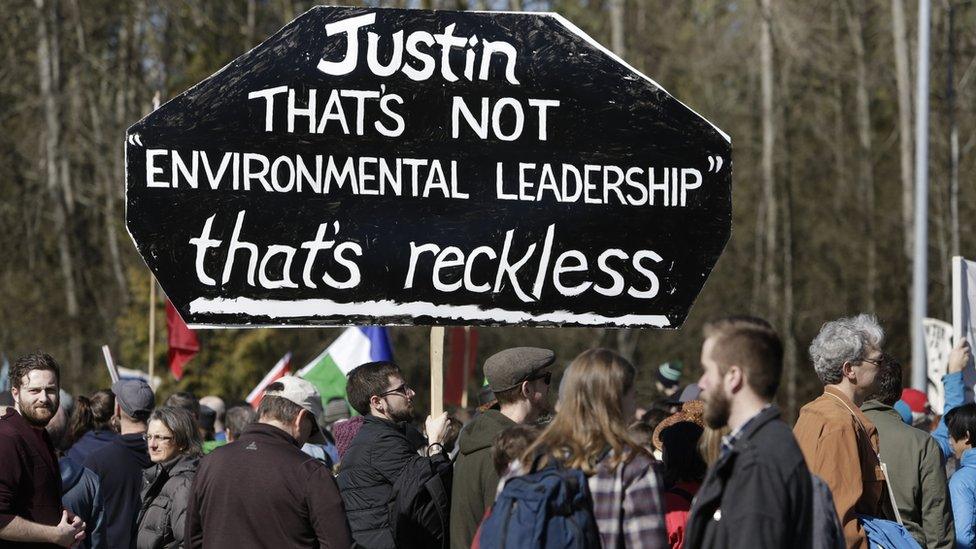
[
  {"x": 839, "y": 443},
  {"x": 119, "y": 464},
  {"x": 383, "y": 451},
  {"x": 519, "y": 378}
]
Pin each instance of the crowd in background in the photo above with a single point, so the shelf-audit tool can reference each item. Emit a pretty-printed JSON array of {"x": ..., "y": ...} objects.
[{"x": 711, "y": 464}]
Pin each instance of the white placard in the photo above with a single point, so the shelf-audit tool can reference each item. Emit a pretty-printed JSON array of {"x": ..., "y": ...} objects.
[
  {"x": 963, "y": 311},
  {"x": 938, "y": 345}
]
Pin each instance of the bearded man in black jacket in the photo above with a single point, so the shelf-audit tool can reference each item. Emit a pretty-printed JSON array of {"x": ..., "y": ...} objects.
[{"x": 382, "y": 450}]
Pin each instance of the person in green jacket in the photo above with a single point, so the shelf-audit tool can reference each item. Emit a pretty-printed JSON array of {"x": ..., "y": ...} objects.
[
  {"x": 914, "y": 460},
  {"x": 519, "y": 378}
]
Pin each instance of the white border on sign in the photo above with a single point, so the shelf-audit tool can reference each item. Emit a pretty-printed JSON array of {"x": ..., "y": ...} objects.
[{"x": 322, "y": 308}]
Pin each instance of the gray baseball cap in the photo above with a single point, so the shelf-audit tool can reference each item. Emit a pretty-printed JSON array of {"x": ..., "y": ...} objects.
[
  {"x": 506, "y": 369},
  {"x": 304, "y": 394},
  {"x": 135, "y": 397}
]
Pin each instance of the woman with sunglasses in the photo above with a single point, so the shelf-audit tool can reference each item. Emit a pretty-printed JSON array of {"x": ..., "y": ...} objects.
[{"x": 175, "y": 449}]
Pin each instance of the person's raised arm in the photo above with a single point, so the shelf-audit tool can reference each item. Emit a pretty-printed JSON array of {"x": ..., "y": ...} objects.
[{"x": 954, "y": 392}]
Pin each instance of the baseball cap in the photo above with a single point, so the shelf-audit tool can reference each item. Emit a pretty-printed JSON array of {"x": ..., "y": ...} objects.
[
  {"x": 916, "y": 400},
  {"x": 506, "y": 369},
  {"x": 135, "y": 397},
  {"x": 304, "y": 394}
]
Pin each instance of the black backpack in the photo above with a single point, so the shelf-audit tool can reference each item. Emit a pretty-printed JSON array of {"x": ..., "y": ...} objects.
[{"x": 420, "y": 508}]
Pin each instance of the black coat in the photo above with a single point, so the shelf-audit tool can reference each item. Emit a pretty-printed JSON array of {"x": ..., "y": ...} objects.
[
  {"x": 758, "y": 495},
  {"x": 165, "y": 495},
  {"x": 367, "y": 473}
]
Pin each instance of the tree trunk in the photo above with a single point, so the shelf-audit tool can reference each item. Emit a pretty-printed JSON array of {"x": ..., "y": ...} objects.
[
  {"x": 515, "y": 5},
  {"x": 906, "y": 146},
  {"x": 55, "y": 172},
  {"x": 617, "y": 27},
  {"x": 789, "y": 308},
  {"x": 865, "y": 153},
  {"x": 771, "y": 228}
]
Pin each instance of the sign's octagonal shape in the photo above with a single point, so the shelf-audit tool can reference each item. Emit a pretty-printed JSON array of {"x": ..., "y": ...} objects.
[{"x": 428, "y": 167}]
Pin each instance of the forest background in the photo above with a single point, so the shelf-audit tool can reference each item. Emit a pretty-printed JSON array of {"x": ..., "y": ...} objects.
[{"x": 818, "y": 96}]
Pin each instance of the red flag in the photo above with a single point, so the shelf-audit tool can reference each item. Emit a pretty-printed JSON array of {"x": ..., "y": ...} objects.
[
  {"x": 282, "y": 368},
  {"x": 464, "y": 353},
  {"x": 183, "y": 342}
]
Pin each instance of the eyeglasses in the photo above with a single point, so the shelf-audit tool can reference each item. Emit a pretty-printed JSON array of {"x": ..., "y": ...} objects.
[
  {"x": 403, "y": 389},
  {"x": 875, "y": 361},
  {"x": 160, "y": 438},
  {"x": 545, "y": 376}
]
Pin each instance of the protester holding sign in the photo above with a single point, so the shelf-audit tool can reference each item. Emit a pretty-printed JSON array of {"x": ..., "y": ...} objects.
[{"x": 382, "y": 454}]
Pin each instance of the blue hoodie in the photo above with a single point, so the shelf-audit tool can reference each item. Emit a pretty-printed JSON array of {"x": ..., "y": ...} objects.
[
  {"x": 962, "y": 491},
  {"x": 88, "y": 443},
  {"x": 81, "y": 494}
]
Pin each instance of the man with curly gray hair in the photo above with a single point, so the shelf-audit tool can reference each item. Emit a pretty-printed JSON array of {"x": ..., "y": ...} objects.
[{"x": 839, "y": 443}]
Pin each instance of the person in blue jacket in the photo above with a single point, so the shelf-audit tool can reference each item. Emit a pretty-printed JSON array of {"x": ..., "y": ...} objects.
[
  {"x": 959, "y": 423},
  {"x": 952, "y": 382}
]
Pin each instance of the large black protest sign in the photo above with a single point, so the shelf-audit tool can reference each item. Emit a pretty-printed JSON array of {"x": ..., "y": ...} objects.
[{"x": 417, "y": 167}]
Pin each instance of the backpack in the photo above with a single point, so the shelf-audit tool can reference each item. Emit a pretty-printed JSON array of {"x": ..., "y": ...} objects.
[
  {"x": 550, "y": 508},
  {"x": 421, "y": 504}
]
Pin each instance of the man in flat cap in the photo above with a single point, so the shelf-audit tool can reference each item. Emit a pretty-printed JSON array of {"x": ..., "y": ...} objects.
[{"x": 519, "y": 378}]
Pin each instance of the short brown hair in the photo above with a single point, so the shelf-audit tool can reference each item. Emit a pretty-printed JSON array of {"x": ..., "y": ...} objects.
[
  {"x": 509, "y": 445},
  {"x": 277, "y": 408},
  {"x": 752, "y": 344},
  {"x": 30, "y": 362},
  {"x": 509, "y": 396},
  {"x": 368, "y": 380}
]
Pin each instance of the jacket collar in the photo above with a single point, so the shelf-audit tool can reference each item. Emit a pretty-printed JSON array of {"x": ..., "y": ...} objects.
[
  {"x": 968, "y": 458},
  {"x": 766, "y": 415},
  {"x": 268, "y": 432},
  {"x": 375, "y": 420}
]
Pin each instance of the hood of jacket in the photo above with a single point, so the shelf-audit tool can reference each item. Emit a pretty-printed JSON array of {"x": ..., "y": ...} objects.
[
  {"x": 71, "y": 473},
  {"x": 481, "y": 433}
]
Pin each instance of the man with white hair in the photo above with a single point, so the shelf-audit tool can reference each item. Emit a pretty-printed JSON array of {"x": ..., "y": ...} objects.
[{"x": 839, "y": 443}]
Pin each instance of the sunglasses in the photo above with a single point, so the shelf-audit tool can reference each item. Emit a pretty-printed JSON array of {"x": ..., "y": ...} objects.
[
  {"x": 403, "y": 389},
  {"x": 545, "y": 376}
]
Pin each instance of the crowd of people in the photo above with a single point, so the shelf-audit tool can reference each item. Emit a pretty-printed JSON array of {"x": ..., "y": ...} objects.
[{"x": 712, "y": 465}]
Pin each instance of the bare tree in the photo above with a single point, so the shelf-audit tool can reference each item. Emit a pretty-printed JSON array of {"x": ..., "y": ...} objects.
[
  {"x": 770, "y": 229},
  {"x": 55, "y": 170},
  {"x": 903, "y": 80},
  {"x": 617, "y": 27},
  {"x": 865, "y": 155}
]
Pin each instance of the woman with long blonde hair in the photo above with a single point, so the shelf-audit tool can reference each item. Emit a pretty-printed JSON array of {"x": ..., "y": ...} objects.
[{"x": 589, "y": 432}]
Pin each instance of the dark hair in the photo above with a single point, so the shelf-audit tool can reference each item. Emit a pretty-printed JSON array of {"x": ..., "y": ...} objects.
[
  {"x": 30, "y": 362},
  {"x": 961, "y": 422},
  {"x": 92, "y": 413},
  {"x": 368, "y": 380},
  {"x": 888, "y": 385},
  {"x": 642, "y": 433},
  {"x": 753, "y": 345},
  {"x": 277, "y": 408},
  {"x": 653, "y": 417},
  {"x": 180, "y": 421},
  {"x": 682, "y": 461},
  {"x": 510, "y": 443},
  {"x": 237, "y": 418},
  {"x": 186, "y": 401},
  {"x": 509, "y": 396}
]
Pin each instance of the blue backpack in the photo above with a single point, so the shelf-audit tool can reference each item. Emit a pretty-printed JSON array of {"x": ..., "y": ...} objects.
[
  {"x": 550, "y": 508},
  {"x": 887, "y": 534}
]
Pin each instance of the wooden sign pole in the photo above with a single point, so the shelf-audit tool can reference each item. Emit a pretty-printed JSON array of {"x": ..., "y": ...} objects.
[
  {"x": 436, "y": 370},
  {"x": 467, "y": 367},
  {"x": 152, "y": 325}
]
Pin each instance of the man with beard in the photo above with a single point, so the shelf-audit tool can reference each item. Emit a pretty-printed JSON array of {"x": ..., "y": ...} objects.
[
  {"x": 382, "y": 450},
  {"x": 30, "y": 481},
  {"x": 759, "y": 493}
]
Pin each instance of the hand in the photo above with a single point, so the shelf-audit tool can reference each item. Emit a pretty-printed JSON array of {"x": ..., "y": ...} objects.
[
  {"x": 960, "y": 356},
  {"x": 69, "y": 531},
  {"x": 436, "y": 426}
]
